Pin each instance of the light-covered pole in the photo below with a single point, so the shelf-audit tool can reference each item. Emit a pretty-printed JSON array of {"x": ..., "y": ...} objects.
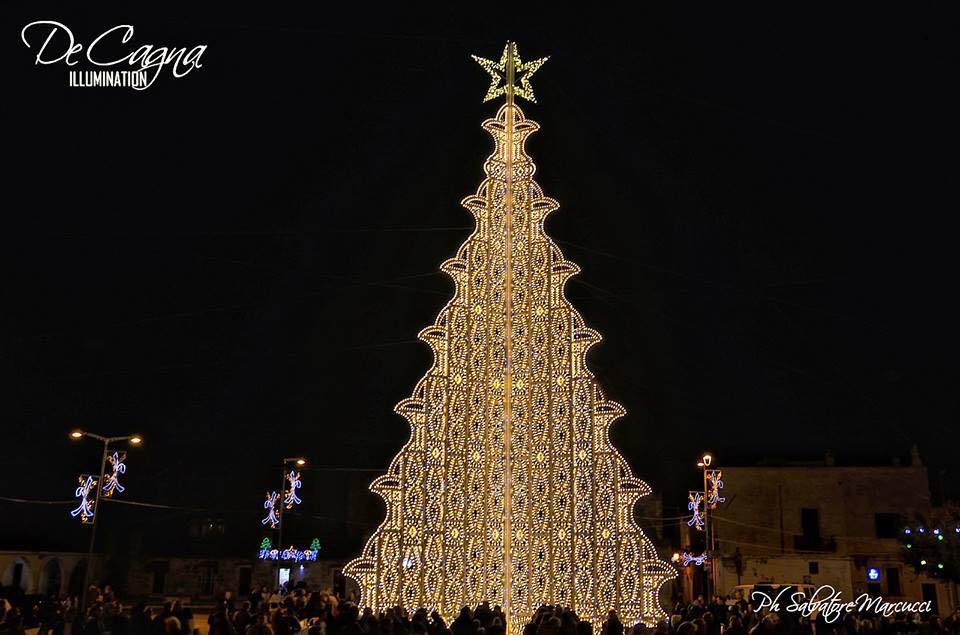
[
  {"x": 704, "y": 463},
  {"x": 299, "y": 461},
  {"x": 76, "y": 435}
]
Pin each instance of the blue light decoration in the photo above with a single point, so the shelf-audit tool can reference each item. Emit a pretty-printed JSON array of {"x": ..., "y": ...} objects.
[
  {"x": 86, "y": 509},
  {"x": 117, "y": 467},
  {"x": 907, "y": 531},
  {"x": 689, "y": 558},
  {"x": 873, "y": 574},
  {"x": 271, "y": 506},
  {"x": 715, "y": 484},
  {"x": 291, "y": 497},
  {"x": 696, "y": 519},
  {"x": 290, "y": 554}
]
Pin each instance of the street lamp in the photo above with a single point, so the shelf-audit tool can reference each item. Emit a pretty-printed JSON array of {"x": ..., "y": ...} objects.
[
  {"x": 704, "y": 463},
  {"x": 76, "y": 435},
  {"x": 299, "y": 461}
]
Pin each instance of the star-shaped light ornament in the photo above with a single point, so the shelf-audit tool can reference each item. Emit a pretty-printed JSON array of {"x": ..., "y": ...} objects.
[{"x": 499, "y": 71}]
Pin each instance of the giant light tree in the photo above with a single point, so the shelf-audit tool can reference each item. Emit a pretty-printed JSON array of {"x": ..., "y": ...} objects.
[{"x": 509, "y": 490}]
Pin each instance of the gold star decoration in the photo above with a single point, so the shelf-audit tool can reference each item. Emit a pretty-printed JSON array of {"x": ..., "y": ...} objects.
[{"x": 499, "y": 71}]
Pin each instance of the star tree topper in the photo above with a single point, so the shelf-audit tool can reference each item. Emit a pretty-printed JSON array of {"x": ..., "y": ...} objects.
[{"x": 504, "y": 74}]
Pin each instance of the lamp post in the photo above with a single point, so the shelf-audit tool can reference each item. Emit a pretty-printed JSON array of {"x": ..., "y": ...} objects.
[
  {"x": 76, "y": 435},
  {"x": 706, "y": 459},
  {"x": 299, "y": 461}
]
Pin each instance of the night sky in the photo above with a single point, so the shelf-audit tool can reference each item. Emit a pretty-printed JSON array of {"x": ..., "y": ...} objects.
[{"x": 235, "y": 264}]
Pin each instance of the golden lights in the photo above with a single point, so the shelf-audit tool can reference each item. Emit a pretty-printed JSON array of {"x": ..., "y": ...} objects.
[
  {"x": 499, "y": 73},
  {"x": 509, "y": 490}
]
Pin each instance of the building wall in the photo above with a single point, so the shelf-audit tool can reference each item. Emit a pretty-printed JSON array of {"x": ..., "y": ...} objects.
[
  {"x": 762, "y": 518},
  {"x": 205, "y": 579},
  {"x": 44, "y": 572}
]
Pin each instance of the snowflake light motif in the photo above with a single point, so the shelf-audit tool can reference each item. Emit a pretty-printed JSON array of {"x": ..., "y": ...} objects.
[
  {"x": 270, "y": 504},
  {"x": 86, "y": 508},
  {"x": 715, "y": 484},
  {"x": 689, "y": 558},
  {"x": 695, "y": 499},
  {"x": 118, "y": 467},
  {"x": 291, "y": 497}
]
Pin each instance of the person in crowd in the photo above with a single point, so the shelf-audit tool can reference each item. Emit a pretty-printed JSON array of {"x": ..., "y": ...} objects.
[
  {"x": 258, "y": 625},
  {"x": 219, "y": 623},
  {"x": 242, "y": 618}
]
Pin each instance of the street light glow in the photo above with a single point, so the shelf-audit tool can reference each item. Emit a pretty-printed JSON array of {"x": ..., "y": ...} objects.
[
  {"x": 301, "y": 462},
  {"x": 707, "y": 459},
  {"x": 76, "y": 434},
  {"x": 136, "y": 439}
]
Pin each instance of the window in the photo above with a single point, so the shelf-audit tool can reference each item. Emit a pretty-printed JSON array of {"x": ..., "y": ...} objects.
[
  {"x": 814, "y": 568},
  {"x": 893, "y": 581},
  {"x": 810, "y": 524},
  {"x": 886, "y": 525},
  {"x": 873, "y": 589}
]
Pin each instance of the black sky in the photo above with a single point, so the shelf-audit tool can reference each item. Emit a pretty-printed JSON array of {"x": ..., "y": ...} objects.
[{"x": 235, "y": 264}]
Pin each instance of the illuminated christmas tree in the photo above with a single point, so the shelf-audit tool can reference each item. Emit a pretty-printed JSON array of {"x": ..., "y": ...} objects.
[{"x": 509, "y": 490}]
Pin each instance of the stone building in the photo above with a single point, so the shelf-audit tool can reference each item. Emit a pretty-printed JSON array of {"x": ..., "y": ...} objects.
[
  {"x": 205, "y": 578},
  {"x": 158, "y": 578},
  {"x": 43, "y": 573},
  {"x": 819, "y": 523}
]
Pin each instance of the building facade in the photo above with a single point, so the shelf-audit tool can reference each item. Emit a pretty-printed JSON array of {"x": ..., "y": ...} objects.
[
  {"x": 205, "y": 578},
  {"x": 44, "y": 573},
  {"x": 823, "y": 524},
  {"x": 161, "y": 578}
]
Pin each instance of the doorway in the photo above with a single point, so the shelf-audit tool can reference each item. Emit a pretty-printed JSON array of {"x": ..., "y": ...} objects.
[{"x": 930, "y": 595}]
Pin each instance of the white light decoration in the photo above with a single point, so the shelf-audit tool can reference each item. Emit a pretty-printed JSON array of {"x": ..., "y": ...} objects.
[
  {"x": 291, "y": 498},
  {"x": 714, "y": 485},
  {"x": 689, "y": 558},
  {"x": 290, "y": 554},
  {"x": 87, "y": 508},
  {"x": 694, "y": 504},
  {"x": 270, "y": 504},
  {"x": 509, "y": 490},
  {"x": 117, "y": 467}
]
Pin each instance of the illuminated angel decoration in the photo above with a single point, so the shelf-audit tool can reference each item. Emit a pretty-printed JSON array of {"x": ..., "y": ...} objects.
[
  {"x": 118, "y": 467},
  {"x": 695, "y": 500},
  {"x": 689, "y": 558},
  {"x": 714, "y": 484},
  {"x": 87, "y": 507},
  {"x": 291, "y": 497},
  {"x": 270, "y": 504}
]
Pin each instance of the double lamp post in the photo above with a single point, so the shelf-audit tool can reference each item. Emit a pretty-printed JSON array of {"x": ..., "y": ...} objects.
[{"x": 76, "y": 435}]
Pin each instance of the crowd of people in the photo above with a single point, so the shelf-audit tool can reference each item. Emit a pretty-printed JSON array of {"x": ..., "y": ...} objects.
[
  {"x": 301, "y": 612},
  {"x": 738, "y": 616}
]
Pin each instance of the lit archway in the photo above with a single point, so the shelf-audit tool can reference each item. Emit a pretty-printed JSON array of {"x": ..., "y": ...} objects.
[{"x": 18, "y": 574}]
